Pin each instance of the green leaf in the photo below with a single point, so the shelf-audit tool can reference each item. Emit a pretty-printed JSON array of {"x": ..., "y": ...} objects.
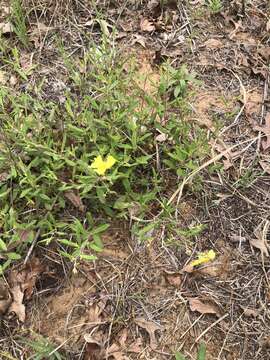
[
  {"x": 101, "y": 195},
  {"x": 99, "y": 229},
  {"x": 88, "y": 257},
  {"x": 146, "y": 229},
  {"x": 14, "y": 256},
  {"x": 177, "y": 91},
  {"x": 5, "y": 193},
  {"x": 179, "y": 356},
  {"x": 25, "y": 192},
  {"x": 69, "y": 243},
  {"x": 104, "y": 27},
  {"x": 202, "y": 352},
  {"x": 3, "y": 245},
  {"x": 95, "y": 247}
]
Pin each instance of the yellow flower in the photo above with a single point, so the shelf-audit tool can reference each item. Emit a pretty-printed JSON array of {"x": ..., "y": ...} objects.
[
  {"x": 204, "y": 257},
  {"x": 100, "y": 166}
]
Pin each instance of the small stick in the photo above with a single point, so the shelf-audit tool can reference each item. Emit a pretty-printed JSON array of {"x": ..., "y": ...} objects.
[
  {"x": 265, "y": 93},
  {"x": 210, "y": 327},
  {"x": 31, "y": 247}
]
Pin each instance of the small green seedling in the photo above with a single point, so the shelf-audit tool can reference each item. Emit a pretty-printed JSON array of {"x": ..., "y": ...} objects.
[
  {"x": 18, "y": 22},
  {"x": 215, "y": 6},
  {"x": 201, "y": 355}
]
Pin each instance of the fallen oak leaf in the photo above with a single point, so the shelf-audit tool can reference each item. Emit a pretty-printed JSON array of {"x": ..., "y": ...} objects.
[
  {"x": 22, "y": 284},
  {"x": 203, "y": 308},
  {"x": 151, "y": 328},
  {"x": 17, "y": 307}
]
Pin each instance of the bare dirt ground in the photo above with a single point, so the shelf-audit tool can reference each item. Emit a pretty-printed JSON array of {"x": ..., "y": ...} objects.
[{"x": 137, "y": 301}]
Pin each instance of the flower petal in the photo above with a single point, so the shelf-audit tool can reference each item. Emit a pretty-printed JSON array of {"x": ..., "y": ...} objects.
[
  {"x": 100, "y": 166},
  {"x": 204, "y": 257}
]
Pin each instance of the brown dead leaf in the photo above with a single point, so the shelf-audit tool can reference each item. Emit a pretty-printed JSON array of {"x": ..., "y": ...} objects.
[
  {"x": 147, "y": 25},
  {"x": 265, "y": 129},
  {"x": 261, "y": 238},
  {"x": 219, "y": 268},
  {"x": 138, "y": 39},
  {"x": 230, "y": 156},
  {"x": 75, "y": 200},
  {"x": 6, "y": 28},
  {"x": 115, "y": 352},
  {"x": 242, "y": 60},
  {"x": 188, "y": 268},
  {"x": 94, "y": 314},
  {"x": 264, "y": 51},
  {"x": 213, "y": 44},
  {"x": 253, "y": 104},
  {"x": 32, "y": 271},
  {"x": 203, "y": 308},
  {"x": 126, "y": 26},
  {"x": 248, "y": 312},
  {"x": 5, "y": 298},
  {"x": 17, "y": 307},
  {"x": 136, "y": 347},
  {"x": 174, "y": 279},
  {"x": 22, "y": 283},
  {"x": 93, "y": 349},
  {"x": 151, "y": 328}
]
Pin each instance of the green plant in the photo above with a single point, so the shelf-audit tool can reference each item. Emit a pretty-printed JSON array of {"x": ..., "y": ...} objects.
[
  {"x": 51, "y": 152},
  {"x": 14, "y": 61},
  {"x": 215, "y": 6},
  {"x": 41, "y": 348},
  {"x": 18, "y": 21},
  {"x": 201, "y": 355}
]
